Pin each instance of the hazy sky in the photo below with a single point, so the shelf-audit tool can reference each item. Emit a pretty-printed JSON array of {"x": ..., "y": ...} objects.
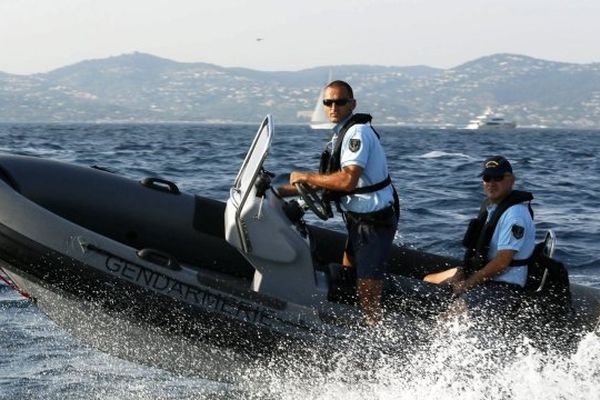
[{"x": 40, "y": 35}]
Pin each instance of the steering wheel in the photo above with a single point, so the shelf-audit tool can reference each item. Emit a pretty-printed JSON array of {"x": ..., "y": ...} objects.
[{"x": 313, "y": 201}]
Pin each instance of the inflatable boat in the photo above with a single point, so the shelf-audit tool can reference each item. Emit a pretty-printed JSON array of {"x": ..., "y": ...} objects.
[{"x": 148, "y": 273}]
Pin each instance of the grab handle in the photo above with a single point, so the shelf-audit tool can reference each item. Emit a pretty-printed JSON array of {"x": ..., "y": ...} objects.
[
  {"x": 160, "y": 184},
  {"x": 159, "y": 258}
]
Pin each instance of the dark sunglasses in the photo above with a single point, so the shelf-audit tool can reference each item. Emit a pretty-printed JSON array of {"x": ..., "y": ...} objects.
[
  {"x": 337, "y": 102},
  {"x": 487, "y": 178}
]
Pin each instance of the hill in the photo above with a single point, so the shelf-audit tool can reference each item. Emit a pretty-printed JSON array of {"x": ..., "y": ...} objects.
[{"x": 140, "y": 87}]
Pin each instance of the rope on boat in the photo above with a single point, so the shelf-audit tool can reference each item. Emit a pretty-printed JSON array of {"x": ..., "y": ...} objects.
[{"x": 4, "y": 278}]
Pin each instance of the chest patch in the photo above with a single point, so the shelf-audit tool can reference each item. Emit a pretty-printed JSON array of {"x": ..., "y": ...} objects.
[
  {"x": 354, "y": 145},
  {"x": 517, "y": 231}
]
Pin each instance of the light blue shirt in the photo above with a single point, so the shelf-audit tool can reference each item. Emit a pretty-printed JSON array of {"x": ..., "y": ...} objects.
[
  {"x": 361, "y": 147},
  {"x": 507, "y": 237}
]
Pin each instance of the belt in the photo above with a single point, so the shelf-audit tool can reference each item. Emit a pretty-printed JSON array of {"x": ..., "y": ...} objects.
[{"x": 379, "y": 217}]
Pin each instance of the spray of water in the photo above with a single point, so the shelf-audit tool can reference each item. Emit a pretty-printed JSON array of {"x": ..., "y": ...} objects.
[{"x": 459, "y": 359}]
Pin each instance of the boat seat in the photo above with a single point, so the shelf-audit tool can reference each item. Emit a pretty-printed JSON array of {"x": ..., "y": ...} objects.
[
  {"x": 538, "y": 279},
  {"x": 548, "y": 280}
]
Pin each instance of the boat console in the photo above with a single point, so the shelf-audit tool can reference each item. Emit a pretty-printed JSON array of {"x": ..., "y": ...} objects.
[{"x": 270, "y": 232}]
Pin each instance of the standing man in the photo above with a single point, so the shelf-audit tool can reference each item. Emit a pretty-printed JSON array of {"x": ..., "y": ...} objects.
[
  {"x": 498, "y": 244},
  {"x": 355, "y": 175}
]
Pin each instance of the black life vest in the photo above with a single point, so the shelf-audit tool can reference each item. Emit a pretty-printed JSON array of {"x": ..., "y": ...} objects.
[
  {"x": 479, "y": 232},
  {"x": 331, "y": 162}
]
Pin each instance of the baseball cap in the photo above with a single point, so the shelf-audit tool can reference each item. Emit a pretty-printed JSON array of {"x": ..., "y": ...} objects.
[{"x": 496, "y": 166}]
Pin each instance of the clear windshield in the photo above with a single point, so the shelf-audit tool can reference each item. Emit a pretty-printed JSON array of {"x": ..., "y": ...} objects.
[
  {"x": 245, "y": 180},
  {"x": 254, "y": 159}
]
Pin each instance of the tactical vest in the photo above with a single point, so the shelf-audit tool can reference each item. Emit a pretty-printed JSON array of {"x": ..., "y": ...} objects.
[
  {"x": 331, "y": 162},
  {"x": 479, "y": 233}
]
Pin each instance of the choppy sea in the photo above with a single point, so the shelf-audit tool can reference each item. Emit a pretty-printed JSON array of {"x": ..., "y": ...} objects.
[{"x": 436, "y": 174}]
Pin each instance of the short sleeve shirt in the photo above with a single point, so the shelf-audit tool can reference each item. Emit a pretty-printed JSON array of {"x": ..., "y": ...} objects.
[
  {"x": 515, "y": 231},
  {"x": 361, "y": 147}
]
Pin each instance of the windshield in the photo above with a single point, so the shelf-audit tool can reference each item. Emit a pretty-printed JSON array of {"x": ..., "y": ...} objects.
[{"x": 254, "y": 159}]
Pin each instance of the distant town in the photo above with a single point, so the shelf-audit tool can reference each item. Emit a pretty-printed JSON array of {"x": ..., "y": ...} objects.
[{"x": 143, "y": 88}]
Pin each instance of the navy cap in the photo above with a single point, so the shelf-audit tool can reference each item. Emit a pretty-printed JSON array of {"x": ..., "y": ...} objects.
[{"x": 496, "y": 166}]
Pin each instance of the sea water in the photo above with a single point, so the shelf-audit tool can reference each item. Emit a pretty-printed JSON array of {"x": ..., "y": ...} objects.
[{"x": 435, "y": 172}]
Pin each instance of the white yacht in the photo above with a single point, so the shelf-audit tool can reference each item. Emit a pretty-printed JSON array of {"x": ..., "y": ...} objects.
[{"x": 488, "y": 120}]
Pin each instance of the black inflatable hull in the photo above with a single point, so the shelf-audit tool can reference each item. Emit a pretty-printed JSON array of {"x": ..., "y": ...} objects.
[{"x": 143, "y": 264}]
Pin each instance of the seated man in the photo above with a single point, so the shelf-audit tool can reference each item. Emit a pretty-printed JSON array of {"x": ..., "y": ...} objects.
[{"x": 499, "y": 243}]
